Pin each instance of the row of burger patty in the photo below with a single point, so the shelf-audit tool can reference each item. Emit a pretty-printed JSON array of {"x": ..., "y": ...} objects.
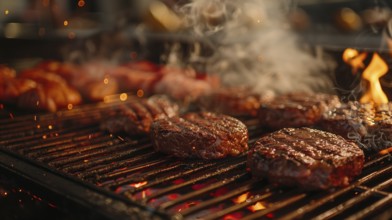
[{"x": 308, "y": 144}]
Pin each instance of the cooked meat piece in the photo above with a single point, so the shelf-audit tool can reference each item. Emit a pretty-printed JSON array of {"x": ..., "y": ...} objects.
[
  {"x": 182, "y": 87},
  {"x": 52, "y": 92},
  {"x": 296, "y": 110},
  {"x": 202, "y": 135},
  {"x": 131, "y": 80},
  {"x": 90, "y": 79},
  {"x": 11, "y": 87},
  {"x": 49, "y": 97},
  {"x": 306, "y": 158},
  {"x": 369, "y": 126},
  {"x": 6, "y": 73},
  {"x": 136, "y": 116},
  {"x": 235, "y": 101}
]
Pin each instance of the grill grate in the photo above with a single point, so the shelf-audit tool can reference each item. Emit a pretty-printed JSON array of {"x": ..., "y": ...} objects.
[{"x": 71, "y": 144}]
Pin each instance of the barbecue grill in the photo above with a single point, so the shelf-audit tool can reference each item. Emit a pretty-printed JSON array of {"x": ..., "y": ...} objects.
[{"x": 121, "y": 177}]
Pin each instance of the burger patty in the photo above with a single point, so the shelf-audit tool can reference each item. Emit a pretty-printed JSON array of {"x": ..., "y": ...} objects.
[
  {"x": 203, "y": 135},
  {"x": 135, "y": 117},
  {"x": 308, "y": 158},
  {"x": 296, "y": 110},
  {"x": 368, "y": 125},
  {"x": 234, "y": 101}
]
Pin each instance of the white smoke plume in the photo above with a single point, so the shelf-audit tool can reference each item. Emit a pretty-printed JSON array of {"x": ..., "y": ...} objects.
[{"x": 252, "y": 44}]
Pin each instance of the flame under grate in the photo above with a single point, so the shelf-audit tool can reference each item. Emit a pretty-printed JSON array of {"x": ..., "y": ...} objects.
[{"x": 71, "y": 143}]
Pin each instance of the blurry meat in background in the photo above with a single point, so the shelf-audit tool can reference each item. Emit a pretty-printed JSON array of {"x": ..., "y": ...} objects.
[{"x": 188, "y": 49}]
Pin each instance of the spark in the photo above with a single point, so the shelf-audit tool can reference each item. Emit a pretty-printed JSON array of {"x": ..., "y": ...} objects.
[
  {"x": 81, "y": 3},
  {"x": 123, "y": 96}
]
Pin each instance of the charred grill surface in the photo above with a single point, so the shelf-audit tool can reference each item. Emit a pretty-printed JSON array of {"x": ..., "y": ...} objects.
[
  {"x": 200, "y": 135},
  {"x": 129, "y": 170},
  {"x": 304, "y": 157}
]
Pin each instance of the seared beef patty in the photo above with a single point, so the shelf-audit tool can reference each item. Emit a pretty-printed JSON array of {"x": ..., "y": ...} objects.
[
  {"x": 305, "y": 157},
  {"x": 296, "y": 110},
  {"x": 135, "y": 117},
  {"x": 200, "y": 135},
  {"x": 366, "y": 124},
  {"x": 234, "y": 101}
]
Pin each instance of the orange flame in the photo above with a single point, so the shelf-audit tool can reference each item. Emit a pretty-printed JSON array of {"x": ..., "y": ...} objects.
[
  {"x": 372, "y": 73},
  {"x": 256, "y": 207},
  {"x": 354, "y": 59},
  {"x": 376, "y": 69},
  {"x": 137, "y": 185},
  {"x": 241, "y": 198},
  {"x": 385, "y": 151}
]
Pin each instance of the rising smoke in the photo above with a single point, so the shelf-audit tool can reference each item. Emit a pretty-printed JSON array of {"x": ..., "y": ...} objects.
[{"x": 252, "y": 44}]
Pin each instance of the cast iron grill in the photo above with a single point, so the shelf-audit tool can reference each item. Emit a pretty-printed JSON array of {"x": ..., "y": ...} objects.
[{"x": 70, "y": 144}]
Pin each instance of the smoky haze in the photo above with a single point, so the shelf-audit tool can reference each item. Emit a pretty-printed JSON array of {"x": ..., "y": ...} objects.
[{"x": 252, "y": 44}]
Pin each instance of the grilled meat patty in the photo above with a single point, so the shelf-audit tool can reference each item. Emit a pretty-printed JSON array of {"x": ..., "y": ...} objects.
[
  {"x": 203, "y": 135},
  {"x": 296, "y": 110},
  {"x": 135, "y": 117},
  {"x": 368, "y": 125},
  {"x": 236, "y": 101},
  {"x": 308, "y": 158}
]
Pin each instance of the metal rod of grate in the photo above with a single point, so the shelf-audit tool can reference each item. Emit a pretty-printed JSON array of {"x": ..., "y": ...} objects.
[{"x": 72, "y": 144}]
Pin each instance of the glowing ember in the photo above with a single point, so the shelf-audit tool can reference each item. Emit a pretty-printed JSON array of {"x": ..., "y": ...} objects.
[
  {"x": 140, "y": 93},
  {"x": 106, "y": 81},
  {"x": 376, "y": 69},
  {"x": 65, "y": 23},
  {"x": 138, "y": 185},
  {"x": 123, "y": 96},
  {"x": 256, "y": 207},
  {"x": 81, "y": 3},
  {"x": 354, "y": 59},
  {"x": 242, "y": 198},
  {"x": 69, "y": 106},
  {"x": 386, "y": 151}
]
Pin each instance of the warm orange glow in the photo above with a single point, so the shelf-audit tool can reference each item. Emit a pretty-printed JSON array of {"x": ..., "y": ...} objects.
[
  {"x": 376, "y": 69},
  {"x": 81, "y": 3},
  {"x": 138, "y": 185},
  {"x": 242, "y": 198},
  {"x": 6, "y": 12},
  {"x": 65, "y": 23},
  {"x": 70, "y": 106},
  {"x": 106, "y": 81},
  {"x": 45, "y": 3},
  {"x": 256, "y": 207},
  {"x": 386, "y": 151},
  {"x": 123, "y": 96},
  {"x": 140, "y": 93},
  {"x": 354, "y": 59}
]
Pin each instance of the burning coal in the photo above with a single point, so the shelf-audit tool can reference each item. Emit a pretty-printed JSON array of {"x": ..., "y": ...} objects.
[{"x": 252, "y": 44}]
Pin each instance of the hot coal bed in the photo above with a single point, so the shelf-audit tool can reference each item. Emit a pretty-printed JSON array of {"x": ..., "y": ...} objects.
[{"x": 63, "y": 164}]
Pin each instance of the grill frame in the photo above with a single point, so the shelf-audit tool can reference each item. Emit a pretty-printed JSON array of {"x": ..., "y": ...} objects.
[{"x": 122, "y": 206}]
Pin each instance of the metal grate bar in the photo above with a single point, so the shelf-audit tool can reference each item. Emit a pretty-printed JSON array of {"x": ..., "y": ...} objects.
[
  {"x": 246, "y": 186},
  {"x": 167, "y": 178},
  {"x": 362, "y": 214},
  {"x": 275, "y": 207},
  {"x": 320, "y": 202},
  {"x": 240, "y": 206},
  {"x": 199, "y": 192},
  {"x": 172, "y": 188},
  {"x": 104, "y": 171},
  {"x": 123, "y": 172}
]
